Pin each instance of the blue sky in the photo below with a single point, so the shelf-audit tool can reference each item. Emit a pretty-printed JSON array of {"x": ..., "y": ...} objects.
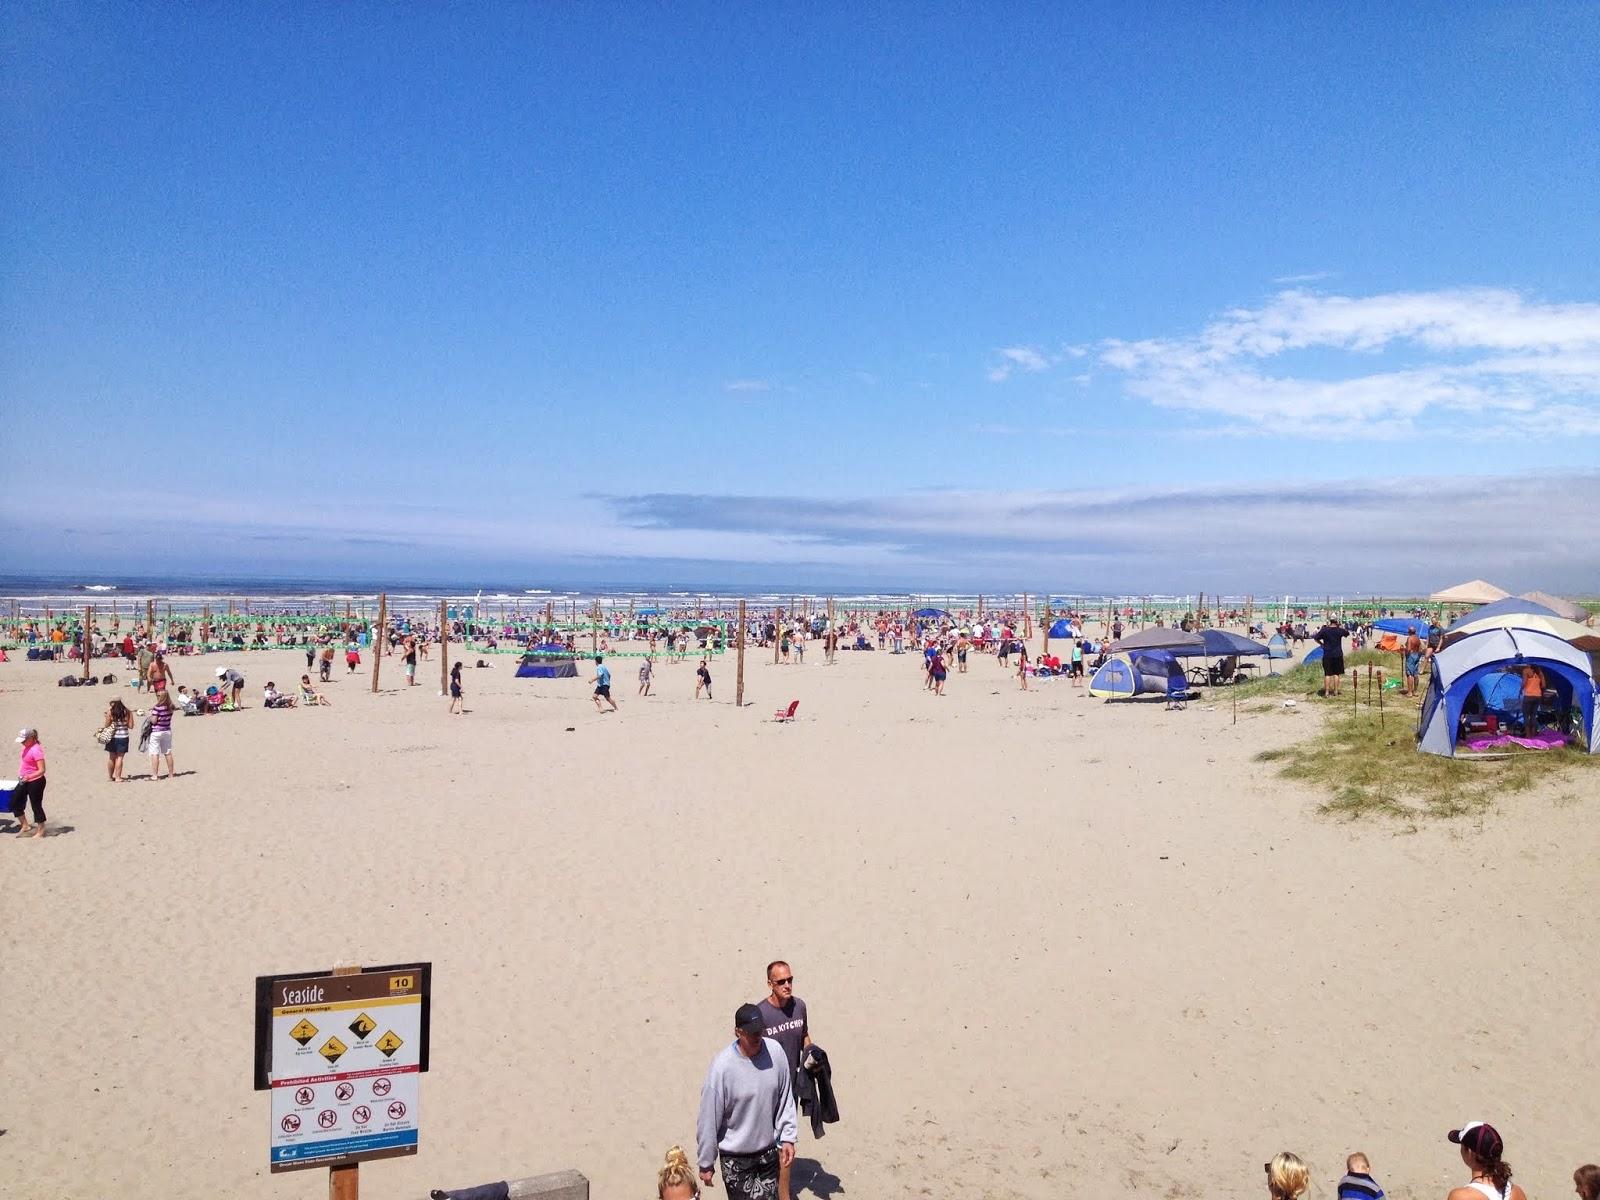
[{"x": 1076, "y": 297}]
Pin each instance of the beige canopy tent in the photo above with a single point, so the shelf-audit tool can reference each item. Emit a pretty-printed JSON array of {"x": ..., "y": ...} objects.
[
  {"x": 1474, "y": 591},
  {"x": 1564, "y": 608}
]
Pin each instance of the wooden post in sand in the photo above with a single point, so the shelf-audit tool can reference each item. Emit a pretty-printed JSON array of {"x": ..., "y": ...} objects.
[
  {"x": 738, "y": 679},
  {"x": 833, "y": 632},
  {"x": 444, "y": 650},
  {"x": 980, "y": 608},
  {"x": 150, "y": 619},
  {"x": 88, "y": 638},
  {"x": 1046, "y": 649},
  {"x": 377, "y": 638},
  {"x": 344, "y": 1180},
  {"x": 777, "y": 634},
  {"x": 594, "y": 627}
]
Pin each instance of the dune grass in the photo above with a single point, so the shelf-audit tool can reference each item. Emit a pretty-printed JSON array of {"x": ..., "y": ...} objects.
[{"x": 1367, "y": 762}]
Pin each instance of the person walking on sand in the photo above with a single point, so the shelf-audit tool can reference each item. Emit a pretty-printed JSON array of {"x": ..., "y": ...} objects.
[
  {"x": 602, "y": 684},
  {"x": 747, "y": 1113},
  {"x": 158, "y": 678},
  {"x": 1024, "y": 667},
  {"x": 937, "y": 672},
  {"x": 647, "y": 671},
  {"x": 702, "y": 679},
  {"x": 30, "y": 785},
  {"x": 119, "y": 720},
  {"x": 410, "y": 661},
  {"x": 455, "y": 689},
  {"x": 161, "y": 736},
  {"x": 784, "y": 1021}
]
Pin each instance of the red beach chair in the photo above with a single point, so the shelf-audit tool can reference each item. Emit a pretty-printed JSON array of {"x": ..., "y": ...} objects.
[{"x": 787, "y": 714}]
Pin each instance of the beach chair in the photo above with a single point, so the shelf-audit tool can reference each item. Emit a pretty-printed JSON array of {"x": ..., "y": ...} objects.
[{"x": 787, "y": 714}]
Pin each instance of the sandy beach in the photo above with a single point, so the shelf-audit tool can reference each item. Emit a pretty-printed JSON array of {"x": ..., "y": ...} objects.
[{"x": 1053, "y": 946}]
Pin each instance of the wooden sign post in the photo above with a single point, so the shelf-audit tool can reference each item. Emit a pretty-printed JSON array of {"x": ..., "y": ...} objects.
[
  {"x": 377, "y": 638},
  {"x": 738, "y": 684},
  {"x": 444, "y": 650}
]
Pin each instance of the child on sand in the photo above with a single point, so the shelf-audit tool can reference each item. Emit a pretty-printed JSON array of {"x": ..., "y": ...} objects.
[
  {"x": 309, "y": 695},
  {"x": 1358, "y": 1183},
  {"x": 455, "y": 689},
  {"x": 646, "y": 672}
]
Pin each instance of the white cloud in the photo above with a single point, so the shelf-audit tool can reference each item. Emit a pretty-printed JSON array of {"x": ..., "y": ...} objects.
[
  {"x": 747, "y": 385},
  {"x": 1017, "y": 358},
  {"x": 1464, "y": 360},
  {"x": 1308, "y": 277},
  {"x": 1128, "y": 538}
]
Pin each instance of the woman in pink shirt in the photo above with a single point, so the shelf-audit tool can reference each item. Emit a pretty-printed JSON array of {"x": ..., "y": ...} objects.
[{"x": 30, "y": 774}]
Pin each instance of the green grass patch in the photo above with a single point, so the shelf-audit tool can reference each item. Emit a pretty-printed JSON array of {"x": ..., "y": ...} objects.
[{"x": 1369, "y": 767}]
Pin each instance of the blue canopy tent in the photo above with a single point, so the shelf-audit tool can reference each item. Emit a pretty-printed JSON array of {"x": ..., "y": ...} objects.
[
  {"x": 932, "y": 614},
  {"x": 1219, "y": 643},
  {"x": 1063, "y": 628},
  {"x": 1403, "y": 625},
  {"x": 1142, "y": 673},
  {"x": 1461, "y": 669},
  {"x": 548, "y": 660},
  {"x": 1511, "y": 606}
]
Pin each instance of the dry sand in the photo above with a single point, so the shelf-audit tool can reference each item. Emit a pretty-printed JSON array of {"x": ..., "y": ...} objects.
[{"x": 1054, "y": 947}]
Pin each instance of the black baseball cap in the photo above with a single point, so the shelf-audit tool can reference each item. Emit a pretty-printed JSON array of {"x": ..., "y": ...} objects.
[
  {"x": 1481, "y": 1138},
  {"x": 748, "y": 1019}
]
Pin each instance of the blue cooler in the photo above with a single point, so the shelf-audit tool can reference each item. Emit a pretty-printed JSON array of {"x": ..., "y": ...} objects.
[{"x": 7, "y": 787}]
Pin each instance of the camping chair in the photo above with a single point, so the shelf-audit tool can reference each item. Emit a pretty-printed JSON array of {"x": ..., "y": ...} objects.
[
  {"x": 1177, "y": 692},
  {"x": 787, "y": 714}
]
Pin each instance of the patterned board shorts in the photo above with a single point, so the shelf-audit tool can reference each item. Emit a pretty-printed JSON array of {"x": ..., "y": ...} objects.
[{"x": 751, "y": 1176}]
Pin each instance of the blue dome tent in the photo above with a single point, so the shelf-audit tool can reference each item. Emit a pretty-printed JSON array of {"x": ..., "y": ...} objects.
[
  {"x": 549, "y": 660},
  {"x": 1142, "y": 673},
  {"x": 1460, "y": 670}
]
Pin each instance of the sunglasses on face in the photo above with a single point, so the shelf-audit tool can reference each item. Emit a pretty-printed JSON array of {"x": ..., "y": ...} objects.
[{"x": 783, "y": 982}]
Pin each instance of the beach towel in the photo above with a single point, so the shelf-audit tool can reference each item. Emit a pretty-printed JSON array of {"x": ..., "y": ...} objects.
[{"x": 1548, "y": 739}]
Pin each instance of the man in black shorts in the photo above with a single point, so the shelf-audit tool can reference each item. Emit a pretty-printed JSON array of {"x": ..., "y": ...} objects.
[{"x": 1331, "y": 638}]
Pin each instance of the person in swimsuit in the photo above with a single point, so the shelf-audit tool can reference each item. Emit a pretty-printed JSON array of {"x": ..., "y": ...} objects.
[
  {"x": 118, "y": 720},
  {"x": 1483, "y": 1152},
  {"x": 158, "y": 678},
  {"x": 455, "y": 688}
]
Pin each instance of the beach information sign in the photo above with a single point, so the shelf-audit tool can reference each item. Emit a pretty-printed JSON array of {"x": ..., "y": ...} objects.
[{"x": 343, "y": 1058}]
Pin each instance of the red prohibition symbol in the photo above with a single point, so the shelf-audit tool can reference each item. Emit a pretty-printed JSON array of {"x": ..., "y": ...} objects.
[
  {"x": 304, "y": 1096},
  {"x": 397, "y": 1110},
  {"x": 290, "y": 1123},
  {"x": 361, "y": 1114},
  {"x": 344, "y": 1091},
  {"x": 380, "y": 1087},
  {"x": 327, "y": 1118}
]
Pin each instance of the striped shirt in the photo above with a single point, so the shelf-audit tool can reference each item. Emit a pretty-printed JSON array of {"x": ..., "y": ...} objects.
[
  {"x": 161, "y": 717},
  {"x": 1356, "y": 1186}
]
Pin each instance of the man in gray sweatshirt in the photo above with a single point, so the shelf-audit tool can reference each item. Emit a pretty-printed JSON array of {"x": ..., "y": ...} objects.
[{"x": 747, "y": 1111}]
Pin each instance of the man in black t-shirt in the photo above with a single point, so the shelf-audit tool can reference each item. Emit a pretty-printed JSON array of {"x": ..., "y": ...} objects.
[
  {"x": 784, "y": 1015},
  {"x": 1331, "y": 638}
]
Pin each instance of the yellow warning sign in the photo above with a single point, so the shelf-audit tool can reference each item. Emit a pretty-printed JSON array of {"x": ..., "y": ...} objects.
[
  {"x": 303, "y": 1032},
  {"x": 389, "y": 1043},
  {"x": 363, "y": 1025},
  {"x": 332, "y": 1050}
]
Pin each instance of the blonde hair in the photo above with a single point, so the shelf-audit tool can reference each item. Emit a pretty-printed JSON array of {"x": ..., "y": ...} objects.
[
  {"x": 675, "y": 1172},
  {"x": 1287, "y": 1176},
  {"x": 1358, "y": 1162}
]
